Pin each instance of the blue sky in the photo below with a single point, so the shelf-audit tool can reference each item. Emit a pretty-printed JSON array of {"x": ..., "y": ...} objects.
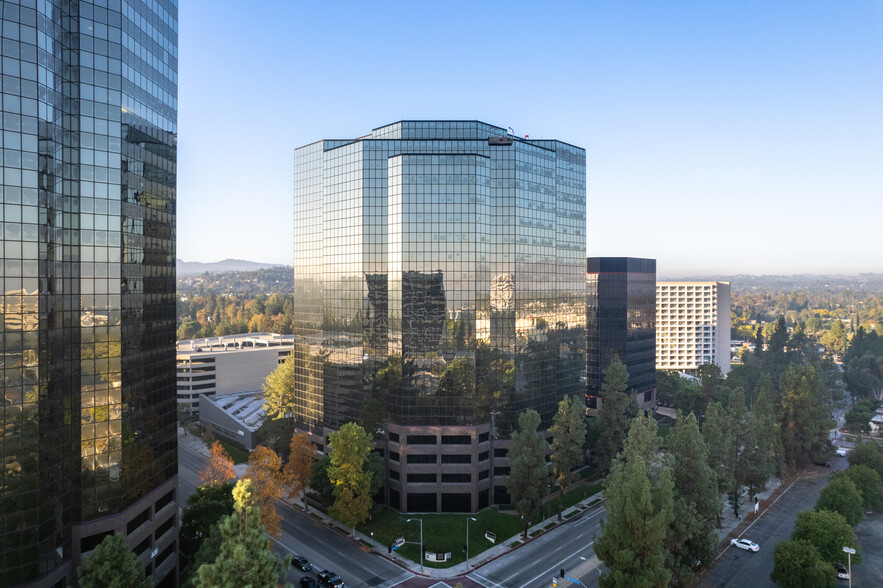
[{"x": 721, "y": 137}]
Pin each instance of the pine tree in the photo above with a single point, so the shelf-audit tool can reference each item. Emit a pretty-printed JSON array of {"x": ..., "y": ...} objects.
[
  {"x": 640, "y": 509},
  {"x": 350, "y": 480},
  {"x": 267, "y": 485},
  {"x": 299, "y": 469},
  {"x": 219, "y": 468},
  {"x": 528, "y": 475},
  {"x": 736, "y": 459},
  {"x": 613, "y": 417},
  {"x": 112, "y": 565},
  {"x": 691, "y": 536},
  {"x": 205, "y": 507},
  {"x": 762, "y": 459},
  {"x": 245, "y": 557},
  {"x": 719, "y": 441},
  {"x": 568, "y": 436}
]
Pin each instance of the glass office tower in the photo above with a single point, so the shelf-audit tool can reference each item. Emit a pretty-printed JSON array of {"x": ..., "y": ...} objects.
[
  {"x": 621, "y": 322},
  {"x": 440, "y": 291},
  {"x": 87, "y": 291}
]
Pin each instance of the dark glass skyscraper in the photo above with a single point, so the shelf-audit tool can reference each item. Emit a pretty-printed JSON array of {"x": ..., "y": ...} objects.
[
  {"x": 440, "y": 290},
  {"x": 87, "y": 360},
  {"x": 621, "y": 321}
]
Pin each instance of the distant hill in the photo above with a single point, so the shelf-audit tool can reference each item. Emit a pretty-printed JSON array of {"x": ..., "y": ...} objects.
[
  {"x": 192, "y": 268},
  {"x": 794, "y": 283}
]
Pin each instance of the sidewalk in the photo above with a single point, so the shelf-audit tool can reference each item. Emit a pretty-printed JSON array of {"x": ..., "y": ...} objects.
[
  {"x": 480, "y": 559},
  {"x": 729, "y": 522}
]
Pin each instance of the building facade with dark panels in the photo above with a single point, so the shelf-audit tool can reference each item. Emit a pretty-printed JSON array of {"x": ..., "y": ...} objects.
[
  {"x": 87, "y": 289},
  {"x": 439, "y": 286},
  {"x": 621, "y": 321}
]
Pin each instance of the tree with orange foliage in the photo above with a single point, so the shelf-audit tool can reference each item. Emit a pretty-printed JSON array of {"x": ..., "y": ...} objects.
[
  {"x": 219, "y": 468},
  {"x": 299, "y": 468},
  {"x": 267, "y": 482}
]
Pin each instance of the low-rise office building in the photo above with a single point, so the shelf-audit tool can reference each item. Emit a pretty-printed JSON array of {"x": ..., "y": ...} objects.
[
  {"x": 227, "y": 364},
  {"x": 236, "y": 417}
]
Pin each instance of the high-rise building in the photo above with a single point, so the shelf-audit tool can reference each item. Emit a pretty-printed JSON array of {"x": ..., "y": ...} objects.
[
  {"x": 621, "y": 322},
  {"x": 439, "y": 291},
  {"x": 88, "y": 285},
  {"x": 692, "y": 326}
]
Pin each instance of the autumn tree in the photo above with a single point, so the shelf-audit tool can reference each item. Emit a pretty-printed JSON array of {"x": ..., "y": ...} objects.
[
  {"x": 112, "y": 565},
  {"x": 245, "y": 557},
  {"x": 528, "y": 476},
  {"x": 267, "y": 485},
  {"x": 350, "y": 481},
  {"x": 219, "y": 468},
  {"x": 299, "y": 469},
  {"x": 829, "y": 532},
  {"x": 639, "y": 501},
  {"x": 691, "y": 536},
  {"x": 568, "y": 435},
  {"x": 614, "y": 414}
]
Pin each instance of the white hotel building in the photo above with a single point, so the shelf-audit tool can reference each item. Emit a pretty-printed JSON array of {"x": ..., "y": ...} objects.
[{"x": 692, "y": 325}]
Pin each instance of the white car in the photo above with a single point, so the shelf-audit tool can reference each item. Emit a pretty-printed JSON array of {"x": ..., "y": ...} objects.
[
  {"x": 842, "y": 572},
  {"x": 745, "y": 544}
]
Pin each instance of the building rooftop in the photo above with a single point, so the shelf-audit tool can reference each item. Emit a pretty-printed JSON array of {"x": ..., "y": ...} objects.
[
  {"x": 240, "y": 342},
  {"x": 247, "y": 408}
]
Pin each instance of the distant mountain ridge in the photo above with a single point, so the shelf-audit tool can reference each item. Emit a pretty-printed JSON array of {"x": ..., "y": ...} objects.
[{"x": 191, "y": 268}]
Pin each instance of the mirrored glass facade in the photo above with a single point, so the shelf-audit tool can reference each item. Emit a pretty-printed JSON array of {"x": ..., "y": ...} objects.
[
  {"x": 621, "y": 322},
  {"x": 87, "y": 291},
  {"x": 439, "y": 278}
]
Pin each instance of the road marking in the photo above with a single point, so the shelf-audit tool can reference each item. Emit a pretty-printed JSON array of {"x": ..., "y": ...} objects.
[
  {"x": 483, "y": 579},
  {"x": 762, "y": 513},
  {"x": 586, "y": 518},
  {"x": 530, "y": 582}
]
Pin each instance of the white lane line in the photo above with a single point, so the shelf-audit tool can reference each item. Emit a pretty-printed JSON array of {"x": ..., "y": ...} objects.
[
  {"x": 530, "y": 582},
  {"x": 482, "y": 579},
  {"x": 586, "y": 518},
  {"x": 762, "y": 513}
]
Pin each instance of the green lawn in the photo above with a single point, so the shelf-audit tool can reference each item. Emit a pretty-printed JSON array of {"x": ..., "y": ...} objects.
[
  {"x": 237, "y": 454},
  {"x": 441, "y": 532}
]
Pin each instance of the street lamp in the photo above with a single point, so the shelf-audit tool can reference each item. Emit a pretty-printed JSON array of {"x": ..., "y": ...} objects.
[
  {"x": 849, "y": 553},
  {"x": 421, "y": 541},
  {"x": 467, "y": 540}
]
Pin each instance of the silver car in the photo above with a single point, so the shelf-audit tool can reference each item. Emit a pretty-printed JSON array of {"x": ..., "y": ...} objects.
[{"x": 745, "y": 544}]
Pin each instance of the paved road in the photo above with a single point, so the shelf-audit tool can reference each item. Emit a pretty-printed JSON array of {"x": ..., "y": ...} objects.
[{"x": 738, "y": 568}]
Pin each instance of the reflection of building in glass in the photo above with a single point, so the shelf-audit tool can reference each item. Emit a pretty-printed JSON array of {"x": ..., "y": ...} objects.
[
  {"x": 439, "y": 286},
  {"x": 87, "y": 288},
  {"x": 693, "y": 326},
  {"x": 621, "y": 321}
]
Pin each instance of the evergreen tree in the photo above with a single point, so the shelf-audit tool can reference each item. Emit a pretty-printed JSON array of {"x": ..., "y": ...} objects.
[
  {"x": 568, "y": 435},
  {"x": 763, "y": 448},
  {"x": 691, "y": 536},
  {"x": 245, "y": 557},
  {"x": 739, "y": 447},
  {"x": 112, "y": 565},
  {"x": 205, "y": 507},
  {"x": 350, "y": 481},
  {"x": 806, "y": 417},
  {"x": 868, "y": 453},
  {"x": 640, "y": 509},
  {"x": 867, "y": 482},
  {"x": 841, "y": 495},
  {"x": 719, "y": 441},
  {"x": 528, "y": 475},
  {"x": 613, "y": 417}
]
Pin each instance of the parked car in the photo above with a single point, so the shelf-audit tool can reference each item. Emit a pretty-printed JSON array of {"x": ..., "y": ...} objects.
[
  {"x": 745, "y": 544},
  {"x": 301, "y": 563},
  {"x": 330, "y": 579},
  {"x": 308, "y": 582},
  {"x": 842, "y": 572}
]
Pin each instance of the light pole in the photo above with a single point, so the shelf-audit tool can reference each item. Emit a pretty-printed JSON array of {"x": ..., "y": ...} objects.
[
  {"x": 421, "y": 541},
  {"x": 849, "y": 553},
  {"x": 467, "y": 540}
]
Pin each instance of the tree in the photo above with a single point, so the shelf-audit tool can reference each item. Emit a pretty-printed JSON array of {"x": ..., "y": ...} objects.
[
  {"x": 867, "y": 482},
  {"x": 245, "y": 557},
  {"x": 350, "y": 481},
  {"x": 219, "y": 468},
  {"x": 761, "y": 460},
  {"x": 568, "y": 435},
  {"x": 719, "y": 440},
  {"x": 320, "y": 483},
  {"x": 112, "y": 565},
  {"x": 739, "y": 447},
  {"x": 868, "y": 453},
  {"x": 828, "y": 532},
  {"x": 841, "y": 495},
  {"x": 528, "y": 475},
  {"x": 806, "y": 416},
  {"x": 640, "y": 509},
  {"x": 799, "y": 565},
  {"x": 691, "y": 536},
  {"x": 205, "y": 507},
  {"x": 299, "y": 468},
  {"x": 267, "y": 485},
  {"x": 279, "y": 389},
  {"x": 613, "y": 417}
]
